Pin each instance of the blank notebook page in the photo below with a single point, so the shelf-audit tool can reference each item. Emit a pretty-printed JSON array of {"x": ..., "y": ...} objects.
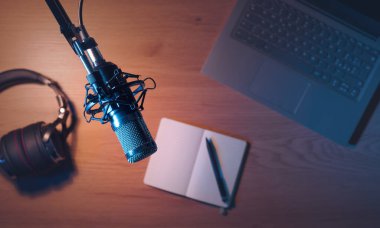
[{"x": 170, "y": 168}]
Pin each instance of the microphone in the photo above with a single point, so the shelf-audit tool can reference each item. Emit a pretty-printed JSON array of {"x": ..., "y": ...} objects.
[
  {"x": 109, "y": 95},
  {"x": 117, "y": 104}
]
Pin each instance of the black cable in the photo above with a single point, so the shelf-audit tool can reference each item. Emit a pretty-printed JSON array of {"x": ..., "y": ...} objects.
[
  {"x": 81, "y": 24},
  {"x": 80, "y": 13}
]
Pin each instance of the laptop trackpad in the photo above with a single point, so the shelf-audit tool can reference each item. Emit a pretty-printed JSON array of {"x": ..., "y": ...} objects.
[{"x": 280, "y": 86}]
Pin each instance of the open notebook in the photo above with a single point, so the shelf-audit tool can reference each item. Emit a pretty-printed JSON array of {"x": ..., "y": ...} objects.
[{"x": 182, "y": 164}]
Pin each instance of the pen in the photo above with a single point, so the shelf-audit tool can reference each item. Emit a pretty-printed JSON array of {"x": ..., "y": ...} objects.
[{"x": 217, "y": 170}]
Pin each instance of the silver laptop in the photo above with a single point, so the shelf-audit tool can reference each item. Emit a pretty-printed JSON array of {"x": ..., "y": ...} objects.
[{"x": 314, "y": 61}]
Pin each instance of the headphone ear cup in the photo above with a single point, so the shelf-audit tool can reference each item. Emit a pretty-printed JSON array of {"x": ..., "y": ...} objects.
[
  {"x": 36, "y": 150},
  {"x": 15, "y": 161},
  {"x": 55, "y": 145},
  {"x": 24, "y": 151}
]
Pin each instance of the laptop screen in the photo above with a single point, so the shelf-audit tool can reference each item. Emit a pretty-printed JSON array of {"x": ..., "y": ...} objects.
[{"x": 360, "y": 14}]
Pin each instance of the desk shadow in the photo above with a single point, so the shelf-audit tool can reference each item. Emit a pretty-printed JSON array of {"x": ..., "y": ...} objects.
[
  {"x": 37, "y": 185},
  {"x": 42, "y": 184}
]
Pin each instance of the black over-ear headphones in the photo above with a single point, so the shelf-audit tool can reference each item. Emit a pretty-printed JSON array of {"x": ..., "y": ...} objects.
[{"x": 39, "y": 147}]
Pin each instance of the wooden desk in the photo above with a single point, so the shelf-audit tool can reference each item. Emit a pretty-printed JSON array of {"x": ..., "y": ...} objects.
[{"x": 293, "y": 177}]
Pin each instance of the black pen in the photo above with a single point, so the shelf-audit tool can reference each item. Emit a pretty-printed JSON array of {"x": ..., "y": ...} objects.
[{"x": 217, "y": 170}]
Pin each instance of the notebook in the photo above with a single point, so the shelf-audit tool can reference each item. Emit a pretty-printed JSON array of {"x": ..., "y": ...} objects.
[
  {"x": 314, "y": 61},
  {"x": 182, "y": 164}
]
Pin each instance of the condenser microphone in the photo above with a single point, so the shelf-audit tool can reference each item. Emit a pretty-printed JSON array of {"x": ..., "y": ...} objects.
[
  {"x": 109, "y": 94},
  {"x": 118, "y": 105}
]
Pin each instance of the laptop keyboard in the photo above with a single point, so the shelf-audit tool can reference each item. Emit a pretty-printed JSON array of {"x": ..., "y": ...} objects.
[{"x": 290, "y": 36}]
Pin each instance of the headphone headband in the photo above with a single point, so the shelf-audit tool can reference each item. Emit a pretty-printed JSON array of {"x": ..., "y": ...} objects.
[{"x": 16, "y": 77}]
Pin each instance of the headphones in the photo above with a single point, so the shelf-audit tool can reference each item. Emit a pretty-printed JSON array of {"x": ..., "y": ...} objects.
[{"x": 37, "y": 148}]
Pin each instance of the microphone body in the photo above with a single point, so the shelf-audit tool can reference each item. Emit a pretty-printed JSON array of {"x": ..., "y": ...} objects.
[{"x": 123, "y": 113}]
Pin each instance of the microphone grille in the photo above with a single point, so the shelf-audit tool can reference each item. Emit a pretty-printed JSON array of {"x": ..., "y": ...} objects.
[{"x": 135, "y": 139}]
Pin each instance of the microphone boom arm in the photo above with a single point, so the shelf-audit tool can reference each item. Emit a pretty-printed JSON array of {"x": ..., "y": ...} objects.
[
  {"x": 68, "y": 29},
  {"x": 83, "y": 45}
]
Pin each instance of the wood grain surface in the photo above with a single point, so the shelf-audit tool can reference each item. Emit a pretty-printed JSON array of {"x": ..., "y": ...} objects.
[{"x": 293, "y": 177}]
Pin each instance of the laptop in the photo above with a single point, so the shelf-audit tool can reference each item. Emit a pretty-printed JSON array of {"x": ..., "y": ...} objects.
[{"x": 314, "y": 61}]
